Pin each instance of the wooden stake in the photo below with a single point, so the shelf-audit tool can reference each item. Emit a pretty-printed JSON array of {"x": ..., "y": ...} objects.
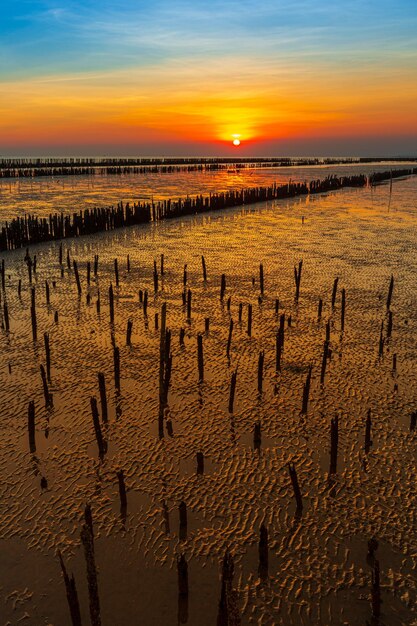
[
  {"x": 102, "y": 444},
  {"x": 260, "y": 370},
  {"x": 111, "y": 304},
  {"x": 295, "y": 486},
  {"x": 334, "y": 292},
  {"x": 334, "y": 442},
  {"x": 203, "y": 262},
  {"x": 390, "y": 290},
  {"x": 232, "y": 391},
  {"x": 103, "y": 397},
  {"x": 229, "y": 339},
  {"x": 129, "y": 332},
  {"x": 48, "y": 355},
  {"x": 222, "y": 287},
  {"x": 249, "y": 320},
  {"x": 31, "y": 426}
]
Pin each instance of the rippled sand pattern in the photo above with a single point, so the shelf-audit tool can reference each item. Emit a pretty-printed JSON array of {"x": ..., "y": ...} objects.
[{"x": 319, "y": 571}]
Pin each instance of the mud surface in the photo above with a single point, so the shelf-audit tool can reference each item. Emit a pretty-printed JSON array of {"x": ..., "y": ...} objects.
[{"x": 319, "y": 567}]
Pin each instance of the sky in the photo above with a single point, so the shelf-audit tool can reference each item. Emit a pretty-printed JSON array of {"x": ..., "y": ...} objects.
[{"x": 186, "y": 77}]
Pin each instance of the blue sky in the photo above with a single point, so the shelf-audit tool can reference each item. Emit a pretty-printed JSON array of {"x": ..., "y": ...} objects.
[{"x": 279, "y": 40}]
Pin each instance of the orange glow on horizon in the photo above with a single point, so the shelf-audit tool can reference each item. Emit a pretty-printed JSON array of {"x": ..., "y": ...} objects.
[{"x": 170, "y": 105}]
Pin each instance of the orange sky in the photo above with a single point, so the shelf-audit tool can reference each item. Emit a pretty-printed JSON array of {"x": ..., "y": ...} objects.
[{"x": 191, "y": 98}]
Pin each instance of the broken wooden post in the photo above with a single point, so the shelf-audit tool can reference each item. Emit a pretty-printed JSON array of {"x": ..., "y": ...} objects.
[
  {"x": 47, "y": 355},
  {"x": 334, "y": 442},
  {"x": 145, "y": 303},
  {"x": 295, "y": 486},
  {"x": 200, "y": 463},
  {"x": 390, "y": 290},
  {"x": 162, "y": 265},
  {"x": 77, "y": 277},
  {"x": 122, "y": 490},
  {"x": 184, "y": 277},
  {"x": 222, "y": 287},
  {"x": 33, "y": 314},
  {"x": 111, "y": 304},
  {"x": 328, "y": 331},
  {"x": 128, "y": 263},
  {"x": 278, "y": 350},
  {"x": 232, "y": 391},
  {"x": 320, "y": 309},
  {"x": 116, "y": 272},
  {"x": 102, "y": 445},
  {"x": 182, "y": 569},
  {"x": 47, "y": 293},
  {"x": 249, "y": 331},
  {"x": 334, "y": 292},
  {"x": 103, "y": 397},
  {"x": 260, "y": 370},
  {"x": 297, "y": 275},
  {"x": 31, "y": 426},
  {"x": 46, "y": 394},
  {"x": 376, "y": 591},
  {"x": 6, "y": 316},
  {"x": 324, "y": 361},
  {"x": 203, "y": 263},
  {"x": 88, "y": 273},
  {"x": 88, "y": 544},
  {"x": 72, "y": 596},
  {"x": 263, "y": 552},
  {"x": 182, "y": 335},
  {"x": 389, "y": 326},
  {"x": 240, "y": 312},
  {"x": 129, "y": 332}
]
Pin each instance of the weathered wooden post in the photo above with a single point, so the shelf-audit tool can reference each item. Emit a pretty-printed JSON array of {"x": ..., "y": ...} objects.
[{"x": 295, "y": 486}]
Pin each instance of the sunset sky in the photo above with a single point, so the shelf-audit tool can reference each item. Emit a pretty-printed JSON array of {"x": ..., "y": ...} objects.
[{"x": 182, "y": 77}]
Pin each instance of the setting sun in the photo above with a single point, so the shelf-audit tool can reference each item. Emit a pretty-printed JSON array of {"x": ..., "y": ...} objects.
[{"x": 236, "y": 142}]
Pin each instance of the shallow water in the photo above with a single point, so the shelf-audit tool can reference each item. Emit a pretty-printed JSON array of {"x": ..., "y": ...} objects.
[
  {"x": 42, "y": 196},
  {"x": 318, "y": 567}
]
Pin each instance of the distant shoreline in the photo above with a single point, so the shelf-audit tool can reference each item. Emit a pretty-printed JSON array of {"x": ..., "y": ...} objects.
[{"x": 28, "y": 167}]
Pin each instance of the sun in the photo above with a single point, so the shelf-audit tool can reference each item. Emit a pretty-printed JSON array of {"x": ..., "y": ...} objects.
[{"x": 236, "y": 140}]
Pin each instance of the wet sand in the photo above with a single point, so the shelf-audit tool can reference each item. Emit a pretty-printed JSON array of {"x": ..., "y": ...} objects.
[{"x": 319, "y": 572}]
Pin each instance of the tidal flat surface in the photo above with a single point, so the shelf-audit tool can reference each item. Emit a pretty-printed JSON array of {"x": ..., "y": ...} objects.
[
  {"x": 319, "y": 571},
  {"x": 69, "y": 194}
]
